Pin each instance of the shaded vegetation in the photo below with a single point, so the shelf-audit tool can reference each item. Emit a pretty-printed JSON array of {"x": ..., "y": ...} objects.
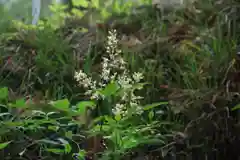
[{"x": 168, "y": 89}]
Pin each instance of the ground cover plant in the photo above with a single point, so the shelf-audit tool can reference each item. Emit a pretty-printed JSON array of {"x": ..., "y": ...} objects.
[{"x": 132, "y": 83}]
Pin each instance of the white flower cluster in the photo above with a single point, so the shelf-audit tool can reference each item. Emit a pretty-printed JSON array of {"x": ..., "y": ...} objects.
[
  {"x": 113, "y": 69},
  {"x": 87, "y": 83},
  {"x": 119, "y": 109}
]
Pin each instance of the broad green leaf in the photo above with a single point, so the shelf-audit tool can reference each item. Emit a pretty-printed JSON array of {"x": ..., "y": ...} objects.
[
  {"x": 110, "y": 89},
  {"x": 82, "y": 106},
  {"x": 63, "y": 141},
  {"x": 105, "y": 128},
  {"x": 53, "y": 128},
  {"x": 150, "y": 106},
  {"x": 4, "y": 114},
  {"x": 14, "y": 124},
  {"x": 110, "y": 120},
  {"x": 67, "y": 146},
  {"x": 4, "y": 145},
  {"x": 20, "y": 103},
  {"x": 61, "y": 104},
  {"x": 130, "y": 143},
  {"x": 82, "y": 153},
  {"x": 236, "y": 107},
  {"x": 3, "y": 93}
]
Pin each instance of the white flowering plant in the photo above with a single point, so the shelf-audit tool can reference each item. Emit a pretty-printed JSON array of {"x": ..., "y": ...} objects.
[
  {"x": 114, "y": 91},
  {"x": 115, "y": 79}
]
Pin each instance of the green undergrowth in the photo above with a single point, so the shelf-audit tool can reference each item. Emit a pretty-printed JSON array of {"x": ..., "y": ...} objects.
[{"x": 174, "y": 94}]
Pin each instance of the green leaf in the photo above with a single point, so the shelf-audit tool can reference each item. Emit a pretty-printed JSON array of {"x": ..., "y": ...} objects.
[
  {"x": 69, "y": 134},
  {"x": 95, "y": 3},
  {"x": 118, "y": 117},
  {"x": 110, "y": 120},
  {"x": 46, "y": 141},
  {"x": 77, "y": 12},
  {"x": 116, "y": 7},
  {"x": 82, "y": 106},
  {"x": 67, "y": 146},
  {"x": 150, "y": 106},
  {"x": 61, "y": 104},
  {"x": 236, "y": 107},
  {"x": 3, "y": 93},
  {"x": 4, "y": 145},
  {"x": 88, "y": 63},
  {"x": 20, "y": 103},
  {"x": 110, "y": 89},
  {"x": 53, "y": 128},
  {"x": 4, "y": 114},
  {"x": 14, "y": 124},
  {"x": 151, "y": 115},
  {"x": 154, "y": 141},
  {"x": 55, "y": 150},
  {"x": 104, "y": 13},
  {"x": 81, "y": 154},
  {"x": 130, "y": 143},
  {"x": 83, "y": 3}
]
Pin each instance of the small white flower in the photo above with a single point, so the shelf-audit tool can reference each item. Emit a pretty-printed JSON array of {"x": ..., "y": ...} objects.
[
  {"x": 125, "y": 82},
  {"x": 113, "y": 77},
  {"x": 105, "y": 74},
  {"x": 125, "y": 96},
  {"x": 105, "y": 69},
  {"x": 80, "y": 75},
  {"x": 132, "y": 104},
  {"x": 135, "y": 98},
  {"x": 88, "y": 92},
  {"x": 138, "y": 109},
  {"x": 119, "y": 109},
  {"x": 95, "y": 96},
  {"x": 137, "y": 76},
  {"x": 83, "y": 79}
]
